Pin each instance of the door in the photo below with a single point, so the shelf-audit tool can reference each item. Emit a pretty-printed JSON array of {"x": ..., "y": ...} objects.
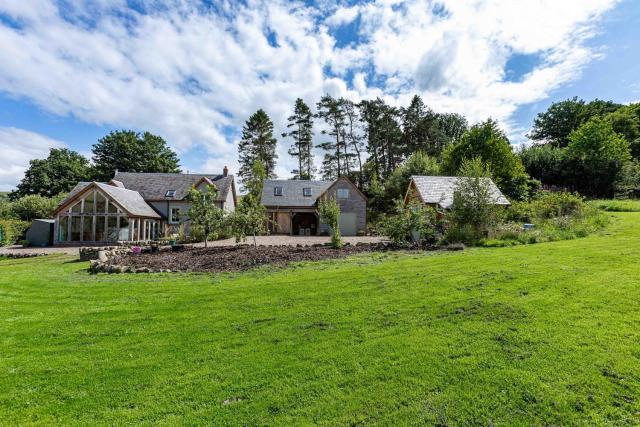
[{"x": 347, "y": 224}]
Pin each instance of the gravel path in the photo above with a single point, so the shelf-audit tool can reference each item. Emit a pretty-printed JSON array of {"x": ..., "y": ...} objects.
[{"x": 275, "y": 240}]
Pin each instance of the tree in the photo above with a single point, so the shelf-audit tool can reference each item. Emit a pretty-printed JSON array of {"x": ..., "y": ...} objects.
[
  {"x": 301, "y": 131},
  {"x": 486, "y": 141},
  {"x": 34, "y": 206},
  {"x": 561, "y": 118},
  {"x": 250, "y": 219},
  {"x": 453, "y": 126},
  {"x": 334, "y": 164},
  {"x": 546, "y": 163},
  {"x": 130, "y": 151},
  {"x": 413, "y": 222},
  {"x": 257, "y": 144},
  {"x": 417, "y": 164},
  {"x": 204, "y": 212},
  {"x": 626, "y": 122},
  {"x": 421, "y": 129},
  {"x": 628, "y": 181},
  {"x": 473, "y": 212},
  {"x": 329, "y": 211},
  {"x": 58, "y": 173},
  {"x": 353, "y": 137},
  {"x": 597, "y": 154}
]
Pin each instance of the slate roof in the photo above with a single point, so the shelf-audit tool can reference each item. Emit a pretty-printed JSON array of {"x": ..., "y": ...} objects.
[
  {"x": 129, "y": 200},
  {"x": 292, "y": 192},
  {"x": 154, "y": 186},
  {"x": 439, "y": 190}
]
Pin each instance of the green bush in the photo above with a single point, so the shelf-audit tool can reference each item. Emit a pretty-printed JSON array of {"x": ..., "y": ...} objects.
[
  {"x": 12, "y": 230},
  {"x": 409, "y": 223},
  {"x": 34, "y": 206}
]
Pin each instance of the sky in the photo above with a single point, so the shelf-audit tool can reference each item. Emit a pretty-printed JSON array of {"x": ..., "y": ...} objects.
[{"x": 193, "y": 71}]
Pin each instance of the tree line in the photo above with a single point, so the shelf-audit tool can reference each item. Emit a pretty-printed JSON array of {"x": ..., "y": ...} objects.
[{"x": 589, "y": 147}]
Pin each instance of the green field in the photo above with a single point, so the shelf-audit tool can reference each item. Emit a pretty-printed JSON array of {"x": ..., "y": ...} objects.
[{"x": 545, "y": 334}]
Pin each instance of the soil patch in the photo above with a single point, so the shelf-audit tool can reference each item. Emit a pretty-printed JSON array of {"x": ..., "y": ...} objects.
[{"x": 234, "y": 258}]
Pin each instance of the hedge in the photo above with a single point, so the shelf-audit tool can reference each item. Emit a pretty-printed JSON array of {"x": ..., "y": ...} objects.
[{"x": 12, "y": 230}]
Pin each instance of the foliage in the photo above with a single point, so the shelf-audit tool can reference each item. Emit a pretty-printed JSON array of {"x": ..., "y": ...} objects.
[
  {"x": 257, "y": 144},
  {"x": 383, "y": 135},
  {"x": 554, "y": 215},
  {"x": 562, "y": 118},
  {"x": 12, "y": 230},
  {"x": 204, "y": 213},
  {"x": 617, "y": 205},
  {"x": 486, "y": 141},
  {"x": 58, "y": 173},
  {"x": 417, "y": 164},
  {"x": 250, "y": 217},
  {"x": 336, "y": 160},
  {"x": 421, "y": 130},
  {"x": 597, "y": 154},
  {"x": 35, "y": 206},
  {"x": 545, "y": 162},
  {"x": 301, "y": 131},
  {"x": 409, "y": 223},
  {"x": 329, "y": 211},
  {"x": 129, "y": 151},
  {"x": 453, "y": 126},
  {"x": 6, "y": 210},
  {"x": 628, "y": 180},
  {"x": 473, "y": 212}
]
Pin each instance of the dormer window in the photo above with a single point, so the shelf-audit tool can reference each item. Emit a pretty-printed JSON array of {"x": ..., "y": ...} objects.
[
  {"x": 170, "y": 193},
  {"x": 277, "y": 191},
  {"x": 306, "y": 192}
]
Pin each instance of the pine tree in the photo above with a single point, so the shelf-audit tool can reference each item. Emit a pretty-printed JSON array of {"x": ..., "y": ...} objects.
[
  {"x": 421, "y": 129},
  {"x": 334, "y": 164},
  {"x": 353, "y": 136},
  {"x": 301, "y": 131},
  {"x": 257, "y": 144}
]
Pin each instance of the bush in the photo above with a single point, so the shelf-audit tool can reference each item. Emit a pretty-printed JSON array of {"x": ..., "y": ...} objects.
[
  {"x": 409, "y": 223},
  {"x": 34, "y": 206},
  {"x": 12, "y": 230}
]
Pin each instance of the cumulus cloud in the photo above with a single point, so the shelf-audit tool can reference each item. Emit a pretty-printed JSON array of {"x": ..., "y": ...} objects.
[
  {"x": 193, "y": 73},
  {"x": 18, "y": 146}
]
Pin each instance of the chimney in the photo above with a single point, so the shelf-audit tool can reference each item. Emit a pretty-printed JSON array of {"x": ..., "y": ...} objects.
[{"x": 225, "y": 171}]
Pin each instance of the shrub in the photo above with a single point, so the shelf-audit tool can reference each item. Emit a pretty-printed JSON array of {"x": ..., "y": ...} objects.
[
  {"x": 329, "y": 211},
  {"x": 12, "y": 230},
  {"x": 413, "y": 222},
  {"x": 34, "y": 206},
  {"x": 473, "y": 212}
]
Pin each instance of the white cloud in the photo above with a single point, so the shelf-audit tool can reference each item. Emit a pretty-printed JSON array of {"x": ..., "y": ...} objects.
[
  {"x": 18, "y": 146},
  {"x": 190, "y": 73}
]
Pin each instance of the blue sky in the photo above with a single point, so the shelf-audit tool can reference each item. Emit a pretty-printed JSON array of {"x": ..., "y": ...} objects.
[{"x": 192, "y": 72}]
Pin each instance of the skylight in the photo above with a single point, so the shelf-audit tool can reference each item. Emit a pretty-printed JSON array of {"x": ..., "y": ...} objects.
[
  {"x": 170, "y": 193},
  {"x": 277, "y": 191},
  {"x": 306, "y": 192}
]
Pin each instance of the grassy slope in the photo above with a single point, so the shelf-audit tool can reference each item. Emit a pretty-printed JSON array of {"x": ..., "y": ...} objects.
[{"x": 540, "y": 334}]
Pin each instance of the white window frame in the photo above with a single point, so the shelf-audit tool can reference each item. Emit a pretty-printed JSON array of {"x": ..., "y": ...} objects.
[
  {"x": 172, "y": 220},
  {"x": 170, "y": 193},
  {"x": 342, "y": 193}
]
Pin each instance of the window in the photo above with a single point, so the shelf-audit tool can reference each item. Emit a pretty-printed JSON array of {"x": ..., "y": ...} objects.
[
  {"x": 101, "y": 203},
  {"x": 277, "y": 191},
  {"x": 87, "y": 228},
  {"x": 88, "y": 203},
  {"x": 75, "y": 228},
  {"x": 174, "y": 216},
  {"x": 306, "y": 192},
  {"x": 343, "y": 193},
  {"x": 63, "y": 228},
  {"x": 112, "y": 228},
  {"x": 170, "y": 193},
  {"x": 101, "y": 235}
]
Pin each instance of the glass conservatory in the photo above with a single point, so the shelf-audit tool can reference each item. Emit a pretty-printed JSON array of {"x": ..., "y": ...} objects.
[{"x": 94, "y": 217}]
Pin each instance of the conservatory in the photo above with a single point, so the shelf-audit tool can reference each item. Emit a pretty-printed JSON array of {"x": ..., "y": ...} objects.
[{"x": 102, "y": 213}]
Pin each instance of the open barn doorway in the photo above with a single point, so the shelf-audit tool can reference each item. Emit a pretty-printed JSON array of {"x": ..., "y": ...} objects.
[{"x": 304, "y": 224}]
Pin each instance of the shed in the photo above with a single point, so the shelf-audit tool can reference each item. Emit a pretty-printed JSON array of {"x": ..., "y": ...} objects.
[{"x": 41, "y": 232}]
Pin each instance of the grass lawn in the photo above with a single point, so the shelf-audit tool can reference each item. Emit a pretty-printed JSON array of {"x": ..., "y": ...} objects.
[
  {"x": 543, "y": 334},
  {"x": 628, "y": 205}
]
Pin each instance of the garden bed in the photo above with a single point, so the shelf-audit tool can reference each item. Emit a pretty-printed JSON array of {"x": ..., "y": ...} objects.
[{"x": 226, "y": 259}]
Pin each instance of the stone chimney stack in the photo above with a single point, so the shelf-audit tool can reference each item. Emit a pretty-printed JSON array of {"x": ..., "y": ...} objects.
[{"x": 225, "y": 171}]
